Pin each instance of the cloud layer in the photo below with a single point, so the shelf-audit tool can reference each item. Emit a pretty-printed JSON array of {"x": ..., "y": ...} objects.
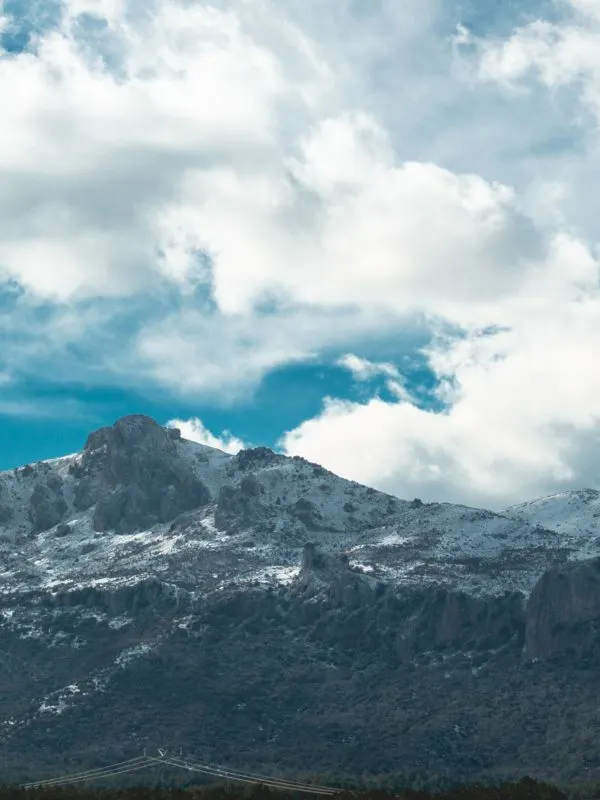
[
  {"x": 522, "y": 411},
  {"x": 193, "y": 194}
]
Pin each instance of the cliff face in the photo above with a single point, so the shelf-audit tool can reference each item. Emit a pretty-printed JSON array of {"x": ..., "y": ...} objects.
[
  {"x": 563, "y": 612},
  {"x": 131, "y": 473}
]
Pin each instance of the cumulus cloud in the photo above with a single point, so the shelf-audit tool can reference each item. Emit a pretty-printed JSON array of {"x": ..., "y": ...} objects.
[
  {"x": 559, "y": 54},
  {"x": 195, "y": 430},
  {"x": 223, "y": 357},
  {"x": 135, "y": 145},
  {"x": 348, "y": 225},
  {"x": 522, "y": 415},
  {"x": 364, "y": 370},
  {"x": 102, "y": 131},
  {"x": 196, "y": 194}
]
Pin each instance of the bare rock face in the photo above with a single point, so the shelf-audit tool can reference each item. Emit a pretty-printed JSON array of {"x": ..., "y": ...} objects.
[
  {"x": 430, "y": 620},
  {"x": 239, "y": 507},
  {"x": 149, "y": 593},
  {"x": 131, "y": 471},
  {"x": 6, "y": 510},
  {"x": 305, "y": 511},
  {"x": 563, "y": 612},
  {"x": 47, "y": 505},
  {"x": 440, "y": 619},
  {"x": 254, "y": 457},
  {"x": 330, "y": 576}
]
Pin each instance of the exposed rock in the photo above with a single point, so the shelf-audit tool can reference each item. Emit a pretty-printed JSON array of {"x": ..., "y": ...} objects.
[
  {"x": 110, "y": 511},
  {"x": 330, "y": 576},
  {"x": 133, "y": 599},
  {"x": 335, "y": 665},
  {"x": 6, "y": 510},
  {"x": 253, "y": 457},
  {"x": 305, "y": 511},
  {"x": 249, "y": 485},
  {"x": 239, "y": 508},
  {"x": 47, "y": 506},
  {"x": 438, "y": 619},
  {"x": 132, "y": 473},
  {"x": 563, "y": 612}
]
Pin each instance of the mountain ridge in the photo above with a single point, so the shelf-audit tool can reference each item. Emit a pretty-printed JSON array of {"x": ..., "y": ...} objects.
[{"x": 263, "y": 576}]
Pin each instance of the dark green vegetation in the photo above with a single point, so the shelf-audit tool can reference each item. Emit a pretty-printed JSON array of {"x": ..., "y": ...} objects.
[
  {"x": 265, "y": 681},
  {"x": 525, "y": 789}
]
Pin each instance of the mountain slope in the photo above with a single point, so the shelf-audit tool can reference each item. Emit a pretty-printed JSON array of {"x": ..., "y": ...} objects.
[
  {"x": 573, "y": 516},
  {"x": 263, "y": 611},
  {"x": 175, "y": 503}
]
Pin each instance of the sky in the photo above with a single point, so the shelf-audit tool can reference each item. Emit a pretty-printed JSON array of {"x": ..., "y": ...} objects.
[{"x": 363, "y": 233}]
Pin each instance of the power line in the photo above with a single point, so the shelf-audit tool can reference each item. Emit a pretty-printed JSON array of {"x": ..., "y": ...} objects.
[
  {"x": 253, "y": 777},
  {"x": 235, "y": 775},
  {"x": 120, "y": 768},
  {"x": 143, "y": 762},
  {"x": 232, "y": 773}
]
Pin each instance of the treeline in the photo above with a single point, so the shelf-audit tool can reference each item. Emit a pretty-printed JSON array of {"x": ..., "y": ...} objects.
[{"x": 525, "y": 789}]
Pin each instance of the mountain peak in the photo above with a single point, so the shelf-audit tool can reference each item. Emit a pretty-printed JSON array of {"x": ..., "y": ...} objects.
[{"x": 130, "y": 431}]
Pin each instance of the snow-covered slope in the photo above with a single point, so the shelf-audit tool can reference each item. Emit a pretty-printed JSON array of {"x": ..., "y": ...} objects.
[
  {"x": 573, "y": 517},
  {"x": 259, "y": 510}
]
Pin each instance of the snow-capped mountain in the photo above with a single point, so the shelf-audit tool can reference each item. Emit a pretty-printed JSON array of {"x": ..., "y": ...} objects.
[
  {"x": 139, "y": 501},
  {"x": 146, "y": 556}
]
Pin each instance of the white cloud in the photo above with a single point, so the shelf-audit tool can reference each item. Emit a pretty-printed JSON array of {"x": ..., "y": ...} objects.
[
  {"x": 224, "y": 357},
  {"x": 195, "y": 430},
  {"x": 522, "y": 419},
  {"x": 338, "y": 176},
  {"x": 559, "y": 54},
  {"x": 522, "y": 413},
  {"x": 125, "y": 154},
  {"x": 92, "y": 157},
  {"x": 363, "y": 370},
  {"x": 349, "y": 226}
]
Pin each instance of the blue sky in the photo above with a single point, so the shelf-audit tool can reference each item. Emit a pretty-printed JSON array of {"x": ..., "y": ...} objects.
[
  {"x": 360, "y": 233},
  {"x": 286, "y": 397}
]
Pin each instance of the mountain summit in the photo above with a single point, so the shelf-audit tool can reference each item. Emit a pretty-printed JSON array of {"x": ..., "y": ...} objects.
[{"x": 262, "y": 610}]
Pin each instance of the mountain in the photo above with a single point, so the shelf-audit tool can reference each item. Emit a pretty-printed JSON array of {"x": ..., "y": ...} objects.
[{"x": 259, "y": 611}]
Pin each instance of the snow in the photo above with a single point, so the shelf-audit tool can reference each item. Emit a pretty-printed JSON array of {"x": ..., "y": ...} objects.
[
  {"x": 572, "y": 518},
  {"x": 469, "y": 549},
  {"x": 58, "y": 701},
  {"x": 131, "y": 653}
]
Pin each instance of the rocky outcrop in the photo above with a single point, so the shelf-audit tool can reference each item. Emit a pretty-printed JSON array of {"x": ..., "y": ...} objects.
[
  {"x": 254, "y": 457},
  {"x": 305, "y": 511},
  {"x": 47, "y": 505},
  {"x": 148, "y": 594},
  {"x": 563, "y": 612},
  {"x": 239, "y": 507},
  {"x": 330, "y": 577},
  {"x": 6, "y": 510},
  {"x": 131, "y": 472},
  {"x": 437, "y": 619}
]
